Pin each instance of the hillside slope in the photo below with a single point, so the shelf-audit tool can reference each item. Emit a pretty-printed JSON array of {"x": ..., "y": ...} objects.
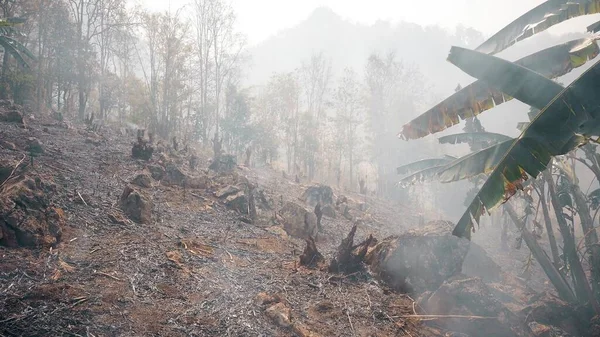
[{"x": 196, "y": 268}]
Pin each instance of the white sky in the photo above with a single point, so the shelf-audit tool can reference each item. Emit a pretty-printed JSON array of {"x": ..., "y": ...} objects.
[{"x": 260, "y": 19}]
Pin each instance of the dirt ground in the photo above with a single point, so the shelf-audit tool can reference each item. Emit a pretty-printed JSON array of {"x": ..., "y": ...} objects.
[{"x": 198, "y": 269}]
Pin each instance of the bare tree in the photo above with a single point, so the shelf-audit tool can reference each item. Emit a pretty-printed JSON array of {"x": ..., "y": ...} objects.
[{"x": 348, "y": 104}]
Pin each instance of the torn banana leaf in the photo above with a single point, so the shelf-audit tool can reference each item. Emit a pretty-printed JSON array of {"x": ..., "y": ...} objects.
[
  {"x": 512, "y": 79},
  {"x": 16, "y": 49},
  {"x": 565, "y": 123},
  {"x": 469, "y": 137},
  {"x": 476, "y": 163},
  {"x": 426, "y": 174},
  {"x": 537, "y": 20},
  {"x": 472, "y": 100},
  {"x": 423, "y": 164}
]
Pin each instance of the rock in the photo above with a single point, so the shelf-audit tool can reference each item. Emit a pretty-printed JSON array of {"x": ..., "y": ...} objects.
[
  {"x": 298, "y": 221},
  {"x": 136, "y": 205},
  {"x": 142, "y": 180},
  {"x": 94, "y": 141},
  {"x": 34, "y": 146},
  {"x": 174, "y": 176},
  {"x": 318, "y": 193},
  {"x": 541, "y": 330},
  {"x": 280, "y": 314},
  {"x": 419, "y": 260},
  {"x": 227, "y": 191},
  {"x": 471, "y": 297},
  {"x": 13, "y": 115},
  {"x": 156, "y": 171},
  {"x": 117, "y": 218},
  {"x": 479, "y": 264},
  {"x": 7, "y": 145},
  {"x": 328, "y": 211},
  {"x": 547, "y": 309},
  {"x": 199, "y": 182},
  {"x": 237, "y": 202},
  {"x": 264, "y": 299},
  {"x": 26, "y": 217}
]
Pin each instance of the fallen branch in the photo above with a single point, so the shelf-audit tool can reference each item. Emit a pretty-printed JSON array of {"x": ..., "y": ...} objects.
[
  {"x": 80, "y": 197},
  {"x": 12, "y": 173},
  {"x": 107, "y": 275}
]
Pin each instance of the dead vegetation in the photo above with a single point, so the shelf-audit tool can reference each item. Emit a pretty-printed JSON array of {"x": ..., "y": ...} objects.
[{"x": 158, "y": 247}]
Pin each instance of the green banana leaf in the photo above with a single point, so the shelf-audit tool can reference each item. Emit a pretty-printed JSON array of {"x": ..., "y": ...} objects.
[
  {"x": 426, "y": 174},
  {"x": 423, "y": 164},
  {"x": 566, "y": 122},
  {"x": 537, "y": 20},
  {"x": 16, "y": 49},
  {"x": 512, "y": 79},
  {"x": 469, "y": 137},
  {"x": 478, "y": 97},
  {"x": 476, "y": 163}
]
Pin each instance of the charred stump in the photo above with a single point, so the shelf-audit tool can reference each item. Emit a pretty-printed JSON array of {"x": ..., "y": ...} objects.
[
  {"x": 193, "y": 162},
  {"x": 311, "y": 257},
  {"x": 175, "y": 144},
  {"x": 142, "y": 149},
  {"x": 348, "y": 258},
  {"x": 319, "y": 214}
]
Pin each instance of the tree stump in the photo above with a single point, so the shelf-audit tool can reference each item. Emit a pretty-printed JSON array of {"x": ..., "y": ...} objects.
[{"x": 311, "y": 257}]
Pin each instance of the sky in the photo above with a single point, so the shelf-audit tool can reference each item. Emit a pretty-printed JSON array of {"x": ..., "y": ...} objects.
[{"x": 260, "y": 19}]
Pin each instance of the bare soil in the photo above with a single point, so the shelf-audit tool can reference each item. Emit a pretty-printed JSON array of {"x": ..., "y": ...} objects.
[{"x": 196, "y": 269}]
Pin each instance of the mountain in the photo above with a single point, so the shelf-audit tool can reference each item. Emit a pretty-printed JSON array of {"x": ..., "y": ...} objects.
[{"x": 349, "y": 44}]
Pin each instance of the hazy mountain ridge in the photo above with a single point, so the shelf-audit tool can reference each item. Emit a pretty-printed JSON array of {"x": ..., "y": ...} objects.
[{"x": 349, "y": 44}]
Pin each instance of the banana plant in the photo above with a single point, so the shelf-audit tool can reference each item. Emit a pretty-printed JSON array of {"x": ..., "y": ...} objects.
[
  {"x": 436, "y": 168},
  {"x": 12, "y": 46},
  {"x": 478, "y": 97},
  {"x": 537, "y": 20},
  {"x": 568, "y": 118}
]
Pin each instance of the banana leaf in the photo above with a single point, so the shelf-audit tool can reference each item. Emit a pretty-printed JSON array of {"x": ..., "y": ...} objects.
[
  {"x": 478, "y": 97},
  {"x": 512, "y": 79},
  {"x": 537, "y": 20},
  {"x": 16, "y": 49},
  {"x": 426, "y": 174},
  {"x": 423, "y": 164},
  {"x": 566, "y": 122},
  {"x": 468, "y": 137},
  {"x": 476, "y": 163}
]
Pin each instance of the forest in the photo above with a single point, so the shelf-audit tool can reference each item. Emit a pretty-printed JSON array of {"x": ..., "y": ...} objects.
[{"x": 180, "y": 73}]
